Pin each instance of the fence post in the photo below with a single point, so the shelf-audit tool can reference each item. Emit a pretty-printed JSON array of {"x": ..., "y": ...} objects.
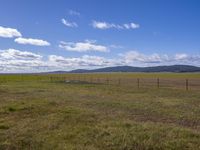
[
  {"x": 119, "y": 81},
  {"x": 158, "y": 83},
  {"x": 186, "y": 84},
  {"x": 138, "y": 83}
]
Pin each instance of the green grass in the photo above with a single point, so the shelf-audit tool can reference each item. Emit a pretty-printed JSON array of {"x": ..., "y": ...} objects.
[{"x": 36, "y": 113}]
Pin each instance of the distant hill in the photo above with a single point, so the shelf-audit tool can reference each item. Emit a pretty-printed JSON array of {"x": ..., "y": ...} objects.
[{"x": 173, "y": 68}]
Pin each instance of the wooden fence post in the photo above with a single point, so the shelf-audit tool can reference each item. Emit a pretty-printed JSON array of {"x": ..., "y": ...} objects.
[
  {"x": 138, "y": 83},
  {"x": 158, "y": 83},
  {"x": 186, "y": 84},
  {"x": 119, "y": 81}
]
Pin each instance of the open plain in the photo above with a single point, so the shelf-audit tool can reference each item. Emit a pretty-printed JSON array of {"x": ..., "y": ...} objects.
[{"x": 100, "y": 111}]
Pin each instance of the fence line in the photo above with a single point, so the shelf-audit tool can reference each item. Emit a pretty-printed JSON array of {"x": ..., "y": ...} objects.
[
  {"x": 181, "y": 83},
  {"x": 140, "y": 82}
]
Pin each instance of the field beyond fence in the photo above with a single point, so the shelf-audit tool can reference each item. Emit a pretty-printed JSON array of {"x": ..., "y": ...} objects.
[{"x": 187, "y": 81}]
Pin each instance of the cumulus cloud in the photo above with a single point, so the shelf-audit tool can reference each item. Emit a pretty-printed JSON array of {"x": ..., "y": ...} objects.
[
  {"x": 116, "y": 46},
  {"x": 136, "y": 58},
  {"x": 84, "y": 46},
  {"x": 105, "y": 25},
  {"x": 187, "y": 59},
  {"x": 132, "y": 58},
  {"x": 85, "y": 60},
  {"x": 9, "y": 32},
  {"x": 36, "y": 42},
  {"x": 17, "y": 54},
  {"x": 12, "y": 60},
  {"x": 181, "y": 56},
  {"x": 74, "y": 13},
  {"x": 68, "y": 23}
]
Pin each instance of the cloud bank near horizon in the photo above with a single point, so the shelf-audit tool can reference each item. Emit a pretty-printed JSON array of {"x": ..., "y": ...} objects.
[{"x": 12, "y": 60}]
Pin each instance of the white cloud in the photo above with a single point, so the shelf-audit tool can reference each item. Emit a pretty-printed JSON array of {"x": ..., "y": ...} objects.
[
  {"x": 101, "y": 25},
  {"x": 74, "y": 13},
  {"x": 139, "y": 59},
  {"x": 12, "y": 60},
  {"x": 105, "y": 25},
  {"x": 9, "y": 32},
  {"x": 37, "y": 42},
  {"x": 131, "y": 26},
  {"x": 187, "y": 59},
  {"x": 17, "y": 54},
  {"x": 68, "y": 23},
  {"x": 134, "y": 56},
  {"x": 85, "y": 46},
  {"x": 180, "y": 56},
  {"x": 116, "y": 46},
  {"x": 80, "y": 62}
]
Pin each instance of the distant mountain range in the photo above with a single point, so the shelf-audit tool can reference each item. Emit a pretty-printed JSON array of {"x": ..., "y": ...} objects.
[{"x": 173, "y": 68}]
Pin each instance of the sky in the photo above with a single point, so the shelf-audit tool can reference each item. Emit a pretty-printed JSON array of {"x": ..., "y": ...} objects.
[{"x": 44, "y": 35}]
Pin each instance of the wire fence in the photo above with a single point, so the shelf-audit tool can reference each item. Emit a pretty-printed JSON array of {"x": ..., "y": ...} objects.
[
  {"x": 137, "y": 82},
  {"x": 186, "y": 84}
]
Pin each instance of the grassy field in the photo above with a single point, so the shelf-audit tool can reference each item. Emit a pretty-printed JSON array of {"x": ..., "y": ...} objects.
[{"x": 37, "y": 112}]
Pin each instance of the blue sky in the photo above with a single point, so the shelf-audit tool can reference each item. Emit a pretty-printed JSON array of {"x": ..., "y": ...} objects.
[{"x": 69, "y": 34}]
